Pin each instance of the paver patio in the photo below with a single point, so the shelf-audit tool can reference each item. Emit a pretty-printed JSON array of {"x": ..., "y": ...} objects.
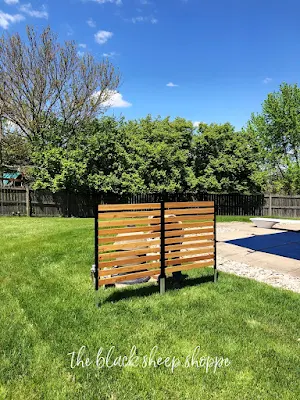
[{"x": 277, "y": 249}]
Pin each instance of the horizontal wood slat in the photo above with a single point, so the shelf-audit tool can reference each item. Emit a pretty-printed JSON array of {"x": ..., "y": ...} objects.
[
  {"x": 130, "y": 253},
  {"x": 128, "y": 277},
  {"x": 184, "y": 232},
  {"x": 195, "y": 218},
  {"x": 120, "y": 231},
  {"x": 189, "y": 246},
  {"x": 126, "y": 222},
  {"x": 133, "y": 214},
  {"x": 189, "y": 239},
  {"x": 190, "y": 211},
  {"x": 129, "y": 268},
  {"x": 119, "y": 207},
  {"x": 188, "y": 252},
  {"x": 188, "y": 260},
  {"x": 133, "y": 245},
  {"x": 127, "y": 261},
  {"x": 199, "y": 204},
  {"x": 190, "y": 266},
  {"x": 189, "y": 225},
  {"x": 128, "y": 238}
]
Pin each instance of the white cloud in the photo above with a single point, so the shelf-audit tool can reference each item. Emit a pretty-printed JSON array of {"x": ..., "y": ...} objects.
[
  {"x": 91, "y": 23},
  {"x": 70, "y": 30},
  {"x": 171, "y": 84},
  {"x": 140, "y": 18},
  {"x": 111, "y": 54},
  {"x": 82, "y": 45},
  {"x": 117, "y": 101},
  {"x": 267, "y": 80},
  {"x": 196, "y": 124},
  {"x": 117, "y": 2},
  {"x": 27, "y": 9},
  {"x": 11, "y": 2},
  {"x": 7, "y": 19},
  {"x": 102, "y": 37}
]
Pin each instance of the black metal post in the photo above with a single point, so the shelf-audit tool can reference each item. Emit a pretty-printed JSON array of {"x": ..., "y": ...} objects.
[
  {"x": 96, "y": 248},
  {"x": 215, "y": 244},
  {"x": 162, "y": 276}
]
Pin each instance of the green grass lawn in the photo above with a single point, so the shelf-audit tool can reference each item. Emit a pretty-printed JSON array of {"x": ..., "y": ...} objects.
[{"x": 47, "y": 311}]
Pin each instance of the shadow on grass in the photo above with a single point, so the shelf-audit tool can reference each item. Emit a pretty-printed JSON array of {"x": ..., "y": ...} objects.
[{"x": 144, "y": 290}]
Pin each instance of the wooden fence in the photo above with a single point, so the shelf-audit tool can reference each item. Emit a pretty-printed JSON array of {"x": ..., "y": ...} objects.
[
  {"x": 22, "y": 201},
  {"x": 44, "y": 203},
  {"x": 134, "y": 241},
  {"x": 282, "y": 206}
]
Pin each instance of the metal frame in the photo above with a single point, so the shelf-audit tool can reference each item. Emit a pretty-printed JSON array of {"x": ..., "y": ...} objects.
[
  {"x": 215, "y": 244},
  {"x": 162, "y": 276},
  {"x": 96, "y": 248}
]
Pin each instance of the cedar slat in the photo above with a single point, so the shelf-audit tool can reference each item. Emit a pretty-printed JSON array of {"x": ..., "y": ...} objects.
[
  {"x": 130, "y": 237},
  {"x": 189, "y": 252},
  {"x": 189, "y": 225},
  {"x": 133, "y": 214},
  {"x": 133, "y": 245},
  {"x": 188, "y": 246},
  {"x": 194, "y": 218},
  {"x": 131, "y": 268},
  {"x": 189, "y": 260},
  {"x": 118, "y": 207},
  {"x": 126, "y": 261},
  {"x": 198, "y": 204},
  {"x": 189, "y": 211},
  {"x": 183, "y": 232},
  {"x": 189, "y": 239},
  {"x": 117, "y": 231},
  {"x": 190, "y": 266},
  {"x": 130, "y": 253},
  {"x": 125, "y": 222},
  {"x": 128, "y": 277}
]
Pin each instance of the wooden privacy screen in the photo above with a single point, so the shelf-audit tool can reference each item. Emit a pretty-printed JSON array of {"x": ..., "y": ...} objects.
[
  {"x": 189, "y": 236},
  {"x": 134, "y": 241}
]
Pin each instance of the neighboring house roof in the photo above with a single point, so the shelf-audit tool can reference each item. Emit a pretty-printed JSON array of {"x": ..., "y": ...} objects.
[{"x": 10, "y": 175}]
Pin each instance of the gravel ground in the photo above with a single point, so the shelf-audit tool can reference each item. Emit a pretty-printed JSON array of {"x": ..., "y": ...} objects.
[{"x": 273, "y": 278}]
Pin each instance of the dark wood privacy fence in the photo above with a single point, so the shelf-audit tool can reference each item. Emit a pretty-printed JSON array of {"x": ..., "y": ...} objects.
[
  {"x": 45, "y": 203},
  {"x": 143, "y": 240}
]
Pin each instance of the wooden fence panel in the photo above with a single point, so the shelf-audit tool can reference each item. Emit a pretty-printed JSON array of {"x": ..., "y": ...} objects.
[
  {"x": 194, "y": 247},
  {"x": 12, "y": 201},
  {"x": 140, "y": 241},
  {"x": 282, "y": 206},
  {"x": 127, "y": 242}
]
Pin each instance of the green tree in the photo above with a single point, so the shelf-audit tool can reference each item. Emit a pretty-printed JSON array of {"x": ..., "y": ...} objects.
[
  {"x": 226, "y": 161},
  {"x": 162, "y": 151},
  {"x": 110, "y": 155},
  {"x": 277, "y": 130},
  {"x": 14, "y": 147}
]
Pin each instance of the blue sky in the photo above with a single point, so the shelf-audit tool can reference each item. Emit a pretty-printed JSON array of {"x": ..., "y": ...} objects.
[{"x": 220, "y": 57}]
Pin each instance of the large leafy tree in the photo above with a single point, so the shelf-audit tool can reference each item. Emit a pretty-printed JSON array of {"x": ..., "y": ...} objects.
[
  {"x": 14, "y": 147},
  {"x": 110, "y": 155},
  {"x": 42, "y": 79},
  {"x": 277, "y": 130},
  {"x": 226, "y": 161},
  {"x": 162, "y": 152}
]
